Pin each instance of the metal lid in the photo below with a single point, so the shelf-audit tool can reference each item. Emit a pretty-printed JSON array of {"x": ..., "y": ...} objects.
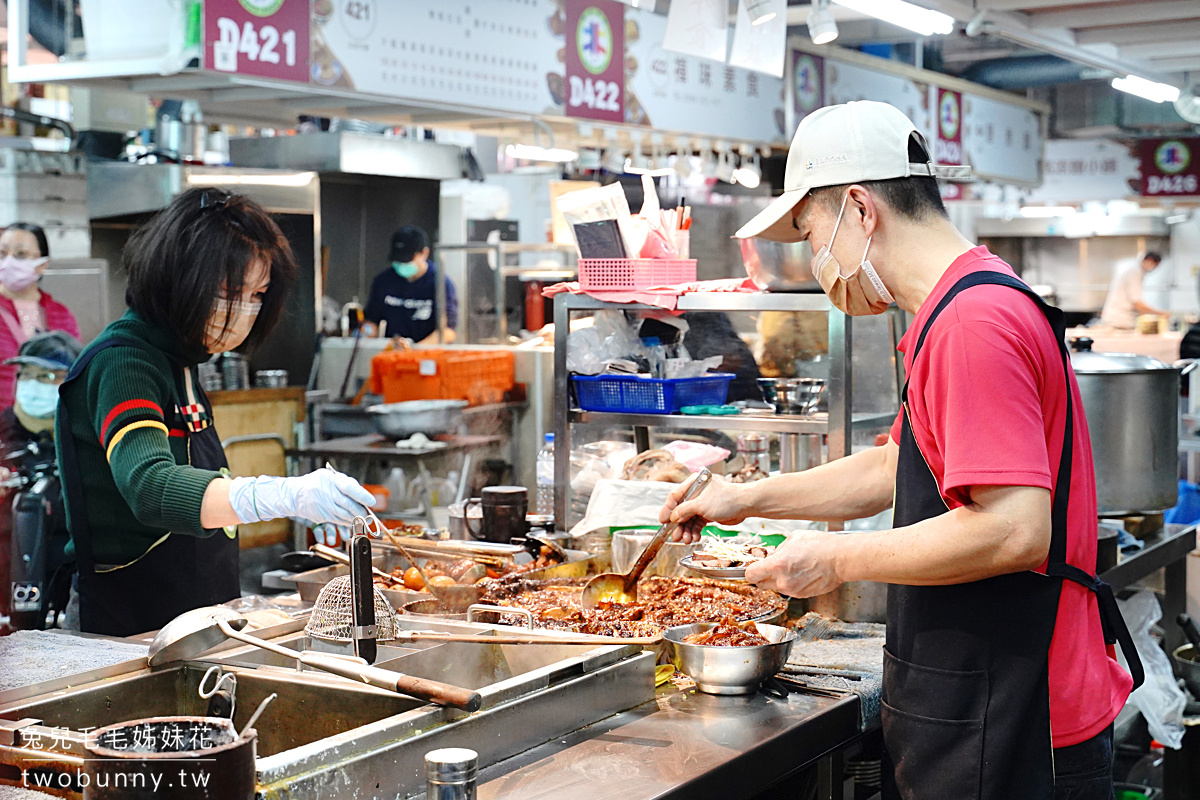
[
  {"x": 1086, "y": 361},
  {"x": 451, "y": 765}
]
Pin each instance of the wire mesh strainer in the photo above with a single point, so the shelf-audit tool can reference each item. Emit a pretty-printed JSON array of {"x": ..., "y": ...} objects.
[{"x": 333, "y": 613}]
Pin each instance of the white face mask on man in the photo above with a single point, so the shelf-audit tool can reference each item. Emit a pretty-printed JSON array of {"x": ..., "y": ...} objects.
[{"x": 859, "y": 294}]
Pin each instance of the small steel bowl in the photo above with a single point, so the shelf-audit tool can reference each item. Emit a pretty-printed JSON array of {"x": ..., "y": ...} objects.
[
  {"x": 792, "y": 395},
  {"x": 729, "y": 670}
]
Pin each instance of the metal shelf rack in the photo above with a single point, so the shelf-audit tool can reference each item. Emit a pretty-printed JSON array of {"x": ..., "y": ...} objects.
[{"x": 837, "y": 425}]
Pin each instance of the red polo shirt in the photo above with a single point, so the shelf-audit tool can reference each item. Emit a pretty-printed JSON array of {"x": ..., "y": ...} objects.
[{"x": 987, "y": 407}]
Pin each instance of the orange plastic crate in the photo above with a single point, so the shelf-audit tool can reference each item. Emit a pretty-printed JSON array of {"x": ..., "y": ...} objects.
[{"x": 478, "y": 377}]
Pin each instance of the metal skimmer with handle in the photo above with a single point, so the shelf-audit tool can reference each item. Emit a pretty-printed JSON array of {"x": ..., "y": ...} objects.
[
  {"x": 613, "y": 587},
  {"x": 333, "y": 613}
]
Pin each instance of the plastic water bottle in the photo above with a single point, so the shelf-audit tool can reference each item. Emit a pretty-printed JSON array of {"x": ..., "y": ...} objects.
[{"x": 545, "y": 477}]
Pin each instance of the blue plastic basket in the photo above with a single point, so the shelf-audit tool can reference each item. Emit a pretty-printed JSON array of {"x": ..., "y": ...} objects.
[{"x": 629, "y": 394}]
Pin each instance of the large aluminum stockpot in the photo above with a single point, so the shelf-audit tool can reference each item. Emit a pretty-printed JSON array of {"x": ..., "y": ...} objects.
[{"x": 1132, "y": 406}]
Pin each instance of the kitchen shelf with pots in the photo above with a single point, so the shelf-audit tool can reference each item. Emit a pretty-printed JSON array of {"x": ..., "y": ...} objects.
[{"x": 837, "y": 424}]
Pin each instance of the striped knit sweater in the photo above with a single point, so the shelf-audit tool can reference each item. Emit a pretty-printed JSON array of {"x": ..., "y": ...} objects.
[{"x": 131, "y": 445}]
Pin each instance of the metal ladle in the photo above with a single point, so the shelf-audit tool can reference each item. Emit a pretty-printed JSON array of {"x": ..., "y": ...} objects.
[
  {"x": 197, "y": 631},
  {"x": 613, "y": 587}
]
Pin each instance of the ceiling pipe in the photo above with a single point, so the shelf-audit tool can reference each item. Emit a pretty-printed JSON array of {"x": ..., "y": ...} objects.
[{"x": 1024, "y": 72}]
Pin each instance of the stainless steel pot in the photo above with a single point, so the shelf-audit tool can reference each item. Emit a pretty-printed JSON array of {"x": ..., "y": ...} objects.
[{"x": 1132, "y": 406}]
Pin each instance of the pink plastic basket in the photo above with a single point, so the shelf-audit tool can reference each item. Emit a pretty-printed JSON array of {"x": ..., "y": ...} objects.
[{"x": 616, "y": 274}]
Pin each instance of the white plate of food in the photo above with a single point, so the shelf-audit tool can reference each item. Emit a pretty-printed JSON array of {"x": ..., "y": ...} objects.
[{"x": 725, "y": 560}]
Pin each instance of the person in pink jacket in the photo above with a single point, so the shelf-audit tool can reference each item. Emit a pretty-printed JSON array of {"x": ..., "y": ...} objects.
[{"x": 25, "y": 310}]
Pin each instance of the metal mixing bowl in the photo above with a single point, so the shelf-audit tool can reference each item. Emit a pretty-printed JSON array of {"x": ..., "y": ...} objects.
[
  {"x": 1189, "y": 667},
  {"x": 792, "y": 395},
  {"x": 729, "y": 670},
  {"x": 779, "y": 266}
]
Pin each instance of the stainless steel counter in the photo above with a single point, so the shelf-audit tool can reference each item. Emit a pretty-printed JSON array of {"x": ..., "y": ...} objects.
[{"x": 685, "y": 745}]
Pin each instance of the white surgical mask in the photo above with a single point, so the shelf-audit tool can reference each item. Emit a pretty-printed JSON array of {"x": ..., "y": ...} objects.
[
  {"x": 37, "y": 399},
  {"x": 241, "y": 316},
  {"x": 850, "y": 293}
]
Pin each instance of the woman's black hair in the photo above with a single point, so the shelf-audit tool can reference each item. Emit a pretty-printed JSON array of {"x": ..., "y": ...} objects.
[
  {"x": 197, "y": 250},
  {"x": 38, "y": 233}
]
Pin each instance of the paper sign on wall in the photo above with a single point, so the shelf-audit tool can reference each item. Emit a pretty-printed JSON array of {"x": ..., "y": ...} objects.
[
  {"x": 698, "y": 28},
  {"x": 761, "y": 47}
]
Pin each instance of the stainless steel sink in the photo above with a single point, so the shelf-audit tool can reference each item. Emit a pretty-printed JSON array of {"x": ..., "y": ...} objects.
[
  {"x": 328, "y": 737},
  {"x": 305, "y": 710}
]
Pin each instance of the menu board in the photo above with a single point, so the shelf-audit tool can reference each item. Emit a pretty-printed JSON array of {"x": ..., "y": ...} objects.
[
  {"x": 845, "y": 82},
  {"x": 677, "y": 92},
  {"x": 1076, "y": 170},
  {"x": 1001, "y": 141},
  {"x": 500, "y": 54}
]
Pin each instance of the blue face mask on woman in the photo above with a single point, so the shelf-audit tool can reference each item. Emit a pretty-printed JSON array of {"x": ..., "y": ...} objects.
[
  {"x": 37, "y": 399},
  {"x": 406, "y": 269}
]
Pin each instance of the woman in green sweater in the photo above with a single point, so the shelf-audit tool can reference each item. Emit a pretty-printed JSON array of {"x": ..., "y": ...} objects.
[{"x": 152, "y": 512}]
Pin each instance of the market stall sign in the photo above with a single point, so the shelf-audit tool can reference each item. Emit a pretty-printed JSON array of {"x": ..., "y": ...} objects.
[
  {"x": 947, "y": 141},
  {"x": 808, "y": 84},
  {"x": 595, "y": 60},
  {"x": 268, "y": 38},
  {"x": 1170, "y": 167}
]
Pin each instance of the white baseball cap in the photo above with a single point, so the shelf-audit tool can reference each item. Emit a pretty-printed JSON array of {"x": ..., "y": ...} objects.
[{"x": 860, "y": 141}]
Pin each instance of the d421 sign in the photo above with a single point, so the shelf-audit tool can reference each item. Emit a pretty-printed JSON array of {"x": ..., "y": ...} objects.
[{"x": 268, "y": 38}]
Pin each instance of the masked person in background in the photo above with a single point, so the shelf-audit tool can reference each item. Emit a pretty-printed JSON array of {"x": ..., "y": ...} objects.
[
  {"x": 27, "y": 450},
  {"x": 404, "y": 296},
  {"x": 25, "y": 310},
  {"x": 152, "y": 511}
]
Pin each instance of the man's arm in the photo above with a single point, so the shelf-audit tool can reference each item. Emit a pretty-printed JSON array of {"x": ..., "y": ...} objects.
[
  {"x": 1142, "y": 308},
  {"x": 1003, "y": 529},
  {"x": 857, "y": 486}
]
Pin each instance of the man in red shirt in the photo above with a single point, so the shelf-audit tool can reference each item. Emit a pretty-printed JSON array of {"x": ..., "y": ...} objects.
[{"x": 999, "y": 675}]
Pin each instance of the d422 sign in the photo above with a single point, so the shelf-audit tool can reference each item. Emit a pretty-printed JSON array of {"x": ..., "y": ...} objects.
[{"x": 597, "y": 95}]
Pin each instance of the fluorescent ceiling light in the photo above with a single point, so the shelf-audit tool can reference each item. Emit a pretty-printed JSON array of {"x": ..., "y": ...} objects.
[
  {"x": 822, "y": 28},
  {"x": 1151, "y": 90},
  {"x": 906, "y": 15},
  {"x": 1047, "y": 211},
  {"x": 654, "y": 172},
  {"x": 759, "y": 11},
  {"x": 528, "y": 152}
]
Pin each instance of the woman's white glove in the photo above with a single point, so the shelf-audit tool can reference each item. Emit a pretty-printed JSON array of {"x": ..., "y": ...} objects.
[{"x": 324, "y": 496}]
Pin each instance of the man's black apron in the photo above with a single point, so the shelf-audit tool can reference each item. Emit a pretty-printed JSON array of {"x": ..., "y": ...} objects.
[
  {"x": 179, "y": 572},
  {"x": 966, "y": 701}
]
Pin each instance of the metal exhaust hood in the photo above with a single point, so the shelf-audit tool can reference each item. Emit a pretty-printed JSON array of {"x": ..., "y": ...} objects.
[
  {"x": 354, "y": 153},
  {"x": 1074, "y": 226}
]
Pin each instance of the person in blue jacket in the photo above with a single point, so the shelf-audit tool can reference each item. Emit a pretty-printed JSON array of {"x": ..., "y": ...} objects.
[{"x": 404, "y": 296}]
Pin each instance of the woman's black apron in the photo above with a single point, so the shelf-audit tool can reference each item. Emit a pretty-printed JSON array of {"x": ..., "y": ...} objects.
[
  {"x": 966, "y": 701},
  {"x": 179, "y": 572}
]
